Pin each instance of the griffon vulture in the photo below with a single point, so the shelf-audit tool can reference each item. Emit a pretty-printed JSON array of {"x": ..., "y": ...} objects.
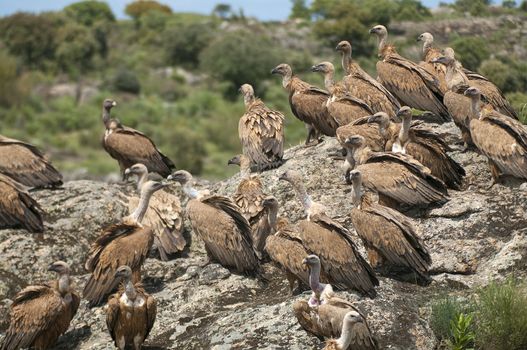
[
  {"x": 25, "y": 164},
  {"x": 355, "y": 334},
  {"x": 41, "y": 313},
  {"x": 370, "y": 131},
  {"x": 131, "y": 312},
  {"x": 127, "y": 242},
  {"x": 261, "y": 132},
  {"x": 429, "y": 54}
]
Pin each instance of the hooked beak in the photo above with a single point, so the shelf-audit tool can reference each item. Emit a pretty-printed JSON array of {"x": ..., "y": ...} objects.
[
  {"x": 304, "y": 264},
  {"x": 372, "y": 119},
  {"x": 373, "y": 31},
  {"x": 52, "y": 267},
  {"x": 316, "y": 68},
  {"x": 114, "y": 103},
  {"x": 128, "y": 171},
  {"x": 282, "y": 177},
  {"x": 275, "y": 71}
]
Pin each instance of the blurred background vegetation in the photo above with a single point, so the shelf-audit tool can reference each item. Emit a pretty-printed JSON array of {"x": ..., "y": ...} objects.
[{"x": 175, "y": 76}]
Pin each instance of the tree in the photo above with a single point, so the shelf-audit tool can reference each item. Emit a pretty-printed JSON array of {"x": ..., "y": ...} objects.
[
  {"x": 11, "y": 93},
  {"x": 523, "y": 6},
  {"x": 88, "y": 12},
  {"x": 77, "y": 48},
  {"x": 474, "y": 7},
  {"x": 138, "y": 8},
  {"x": 509, "y": 4},
  {"x": 471, "y": 51},
  {"x": 184, "y": 42},
  {"x": 411, "y": 9},
  {"x": 222, "y": 11},
  {"x": 300, "y": 10}
]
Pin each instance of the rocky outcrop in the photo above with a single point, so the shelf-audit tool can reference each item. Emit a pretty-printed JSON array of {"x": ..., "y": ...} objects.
[{"x": 479, "y": 235}]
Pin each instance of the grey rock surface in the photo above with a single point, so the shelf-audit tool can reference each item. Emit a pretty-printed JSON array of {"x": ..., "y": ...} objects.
[{"x": 479, "y": 235}]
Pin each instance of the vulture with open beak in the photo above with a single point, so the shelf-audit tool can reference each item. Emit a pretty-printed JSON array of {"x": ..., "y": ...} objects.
[
  {"x": 25, "y": 164},
  {"x": 129, "y": 146},
  {"x": 41, "y": 313},
  {"x": 131, "y": 312},
  {"x": 361, "y": 85},
  {"x": 219, "y": 222},
  {"x": 342, "y": 264},
  {"x": 163, "y": 216},
  {"x": 261, "y": 132},
  {"x": 413, "y": 85},
  {"x": 429, "y": 54},
  {"x": 127, "y": 242},
  {"x": 308, "y": 104}
]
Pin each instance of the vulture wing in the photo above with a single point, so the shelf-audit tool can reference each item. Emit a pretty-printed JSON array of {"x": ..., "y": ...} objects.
[
  {"x": 309, "y": 105},
  {"x": 151, "y": 312},
  {"x": 249, "y": 197},
  {"x": 112, "y": 314}
]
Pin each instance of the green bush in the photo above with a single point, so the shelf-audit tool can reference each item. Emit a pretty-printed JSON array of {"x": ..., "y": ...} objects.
[
  {"x": 77, "y": 48},
  {"x": 444, "y": 311},
  {"x": 138, "y": 8},
  {"x": 496, "y": 71},
  {"x": 184, "y": 42},
  {"x": 471, "y": 51},
  {"x": 474, "y": 7},
  {"x": 518, "y": 101},
  {"x": 10, "y": 92},
  {"x": 126, "y": 81},
  {"x": 89, "y": 11}
]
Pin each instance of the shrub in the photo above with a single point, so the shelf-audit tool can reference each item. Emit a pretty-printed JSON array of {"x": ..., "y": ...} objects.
[
  {"x": 137, "y": 9},
  {"x": 471, "y": 51},
  {"x": 496, "y": 71},
  {"x": 184, "y": 42},
  {"x": 518, "y": 101},
  {"x": 462, "y": 334},
  {"x": 444, "y": 311},
  {"x": 10, "y": 92},
  {"x": 474, "y": 7},
  {"x": 88, "y": 12},
  {"x": 77, "y": 48},
  {"x": 126, "y": 81}
]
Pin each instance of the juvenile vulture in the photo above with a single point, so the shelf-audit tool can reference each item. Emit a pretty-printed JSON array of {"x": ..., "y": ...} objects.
[
  {"x": 342, "y": 106},
  {"x": 308, "y": 103},
  {"x": 355, "y": 334},
  {"x": 343, "y": 266},
  {"x": 361, "y": 85},
  {"x": 218, "y": 221},
  {"x": 370, "y": 131},
  {"x": 17, "y": 208},
  {"x": 131, "y": 312},
  {"x": 502, "y": 139},
  {"x": 25, "y": 164},
  {"x": 429, "y": 54},
  {"x": 127, "y": 242},
  {"x": 129, "y": 146},
  {"x": 163, "y": 215},
  {"x": 389, "y": 237},
  {"x": 41, "y": 313},
  {"x": 398, "y": 178},
  {"x": 261, "y": 132},
  {"x": 413, "y": 85},
  {"x": 259, "y": 209}
]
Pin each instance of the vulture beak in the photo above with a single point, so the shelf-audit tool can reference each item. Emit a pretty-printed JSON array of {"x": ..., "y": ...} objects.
[
  {"x": 282, "y": 177},
  {"x": 234, "y": 160},
  {"x": 372, "y": 119},
  {"x": 52, "y": 267},
  {"x": 304, "y": 264},
  {"x": 275, "y": 71},
  {"x": 372, "y": 31},
  {"x": 114, "y": 103},
  {"x": 128, "y": 171},
  {"x": 316, "y": 68}
]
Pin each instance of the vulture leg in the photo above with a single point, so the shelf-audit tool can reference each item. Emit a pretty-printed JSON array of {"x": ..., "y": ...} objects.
[
  {"x": 313, "y": 136},
  {"x": 291, "y": 280},
  {"x": 496, "y": 174}
]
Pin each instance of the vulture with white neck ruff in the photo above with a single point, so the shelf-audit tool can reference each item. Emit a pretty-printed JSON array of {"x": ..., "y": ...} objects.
[
  {"x": 355, "y": 334},
  {"x": 429, "y": 54}
]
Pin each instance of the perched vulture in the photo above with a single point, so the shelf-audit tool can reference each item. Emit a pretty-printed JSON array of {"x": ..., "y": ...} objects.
[
  {"x": 413, "y": 85},
  {"x": 342, "y": 106},
  {"x": 163, "y": 216},
  {"x": 127, "y": 242},
  {"x": 502, "y": 139},
  {"x": 342, "y": 265},
  {"x": 429, "y": 54},
  {"x": 261, "y": 132},
  {"x": 308, "y": 103},
  {"x": 25, "y": 164},
  {"x": 389, "y": 237},
  {"x": 129, "y": 146},
  {"x": 17, "y": 208},
  {"x": 398, "y": 178},
  {"x": 355, "y": 334},
  {"x": 259, "y": 209},
  {"x": 131, "y": 312},
  {"x": 218, "y": 221},
  {"x": 361, "y": 85},
  {"x": 370, "y": 131},
  {"x": 41, "y": 313}
]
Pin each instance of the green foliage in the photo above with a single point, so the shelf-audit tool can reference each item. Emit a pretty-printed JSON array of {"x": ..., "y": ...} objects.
[
  {"x": 413, "y": 9},
  {"x": 518, "y": 101},
  {"x": 523, "y": 6},
  {"x": 77, "y": 48},
  {"x": 184, "y": 42},
  {"x": 222, "y": 10},
  {"x": 138, "y": 8},
  {"x": 125, "y": 80},
  {"x": 462, "y": 335},
  {"x": 509, "y": 4},
  {"x": 496, "y": 71},
  {"x": 300, "y": 10},
  {"x": 474, "y": 7},
  {"x": 88, "y": 12},
  {"x": 444, "y": 311},
  {"x": 11, "y": 92},
  {"x": 471, "y": 51}
]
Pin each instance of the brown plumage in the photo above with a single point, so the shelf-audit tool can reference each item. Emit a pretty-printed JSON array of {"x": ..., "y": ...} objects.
[
  {"x": 342, "y": 106},
  {"x": 129, "y": 146},
  {"x": 342, "y": 265},
  {"x": 17, "y": 208},
  {"x": 361, "y": 85},
  {"x": 163, "y": 215},
  {"x": 308, "y": 103},
  {"x": 355, "y": 334},
  {"x": 41, "y": 313},
  {"x": 502, "y": 139},
  {"x": 127, "y": 242},
  {"x": 131, "y": 312},
  {"x": 261, "y": 132},
  {"x": 411, "y": 84},
  {"x": 398, "y": 178},
  {"x": 25, "y": 164},
  {"x": 390, "y": 237},
  {"x": 429, "y": 54},
  {"x": 218, "y": 221},
  {"x": 370, "y": 131}
]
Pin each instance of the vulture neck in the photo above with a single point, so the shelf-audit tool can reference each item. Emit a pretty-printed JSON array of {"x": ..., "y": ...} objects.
[
  {"x": 347, "y": 61},
  {"x": 142, "y": 178},
  {"x": 105, "y": 116},
  {"x": 272, "y": 216},
  {"x": 329, "y": 82},
  {"x": 302, "y": 195},
  {"x": 248, "y": 100},
  {"x": 190, "y": 191},
  {"x": 386, "y": 129},
  {"x": 476, "y": 108},
  {"x": 64, "y": 284},
  {"x": 314, "y": 280},
  {"x": 286, "y": 79},
  {"x": 382, "y": 43},
  {"x": 356, "y": 195},
  {"x": 427, "y": 45},
  {"x": 405, "y": 130},
  {"x": 129, "y": 289},
  {"x": 349, "y": 163},
  {"x": 140, "y": 211},
  {"x": 345, "y": 338},
  {"x": 360, "y": 155}
]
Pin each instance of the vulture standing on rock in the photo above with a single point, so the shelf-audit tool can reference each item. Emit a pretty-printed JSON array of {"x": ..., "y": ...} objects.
[
  {"x": 389, "y": 236},
  {"x": 129, "y": 146},
  {"x": 429, "y": 54},
  {"x": 370, "y": 131},
  {"x": 259, "y": 209},
  {"x": 163, "y": 215},
  {"x": 131, "y": 312},
  {"x": 343, "y": 266},
  {"x": 127, "y": 242},
  {"x": 342, "y": 106},
  {"x": 361, "y": 85},
  {"x": 41, "y": 313},
  {"x": 413, "y": 85},
  {"x": 350, "y": 337},
  {"x": 502, "y": 139},
  {"x": 25, "y": 164},
  {"x": 17, "y": 208},
  {"x": 398, "y": 178},
  {"x": 261, "y": 132},
  {"x": 218, "y": 221},
  {"x": 324, "y": 313},
  {"x": 308, "y": 103}
]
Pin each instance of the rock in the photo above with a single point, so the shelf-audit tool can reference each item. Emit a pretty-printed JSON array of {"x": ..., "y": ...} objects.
[{"x": 479, "y": 235}]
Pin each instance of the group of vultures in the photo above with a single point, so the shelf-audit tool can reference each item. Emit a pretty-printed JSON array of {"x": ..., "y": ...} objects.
[{"x": 393, "y": 164}]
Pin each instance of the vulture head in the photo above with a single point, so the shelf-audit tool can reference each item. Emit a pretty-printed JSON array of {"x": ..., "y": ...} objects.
[
  {"x": 344, "y": 47},
  {"x": 352, "y": 317},
  {"x": 404, "y": 112},
  {"x": 108, "y": 104},
  {"x": 59, "y": 267},
  {"x": 355, "y": 141},
  {"x": 242, "y": 161},
  {"x": 311, "y": 261},
  {"x": 426, "y": 38},
  {"x": 380, "y": 31},
  {"x": 380, "y": 118},
  {"x": 355, "y": 176},
  {"x": 445, "y": 60},
  {"x": 473, "y": 93},
  {"x": 136, "y": 169},
  {"x": 150, "y": 187},
  {"x": 270, "y": 202},
  {"x": 449, "y": 52},
  {"x": 292, "y": 176},
  {"x": 282, "y": 69},
  {"x": 181, "y": 176},
  {"x": 323, "y": 67},
  {"x": 247, "y": 90},
  {"x": 124, "y": 272}
]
